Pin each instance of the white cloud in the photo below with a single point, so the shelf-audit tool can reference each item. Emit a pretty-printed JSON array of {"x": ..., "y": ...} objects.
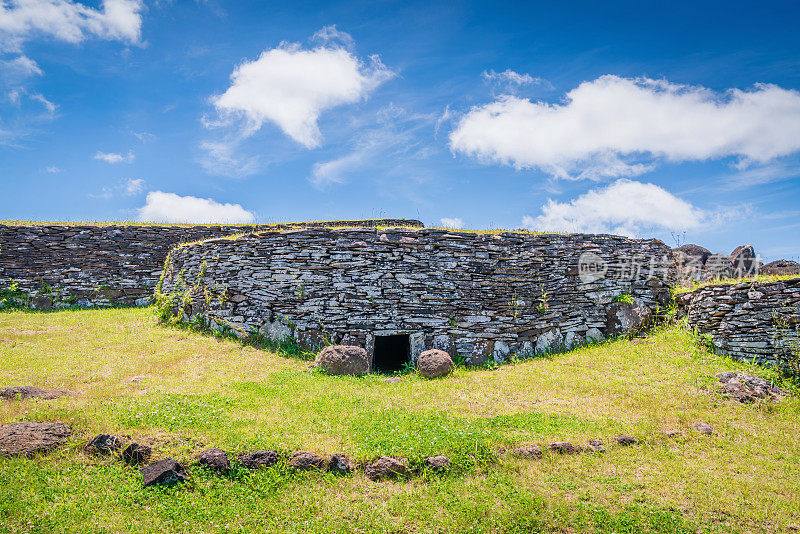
[
  {"x": 128, "y": 188},
  {"x": 220, "y": 158},
  {"x": 49, "y": 106},
  {"x": 72, "y": 22},
  {"x": 335, "y": 171},
  {"x": 395, "y": 137},
  {"x": 329, "y": 34},
  {"x": 291, "y": 86},
  {"x": 172, "y": 208},
  {"x": 613, "y": 127},
  {"x": 510, "y": 77},
  {"x": 455, "y": 222},
  {"x": 52, "y": 169},
  {"x": 760, "y": 175},
  {"x": 133, "y": 186},
  {"x": 625, "y": 207},
  {"x": 144, "y": 137},
  {"x": 112, "y": 157},
  {"x": 18, "y": 69}
]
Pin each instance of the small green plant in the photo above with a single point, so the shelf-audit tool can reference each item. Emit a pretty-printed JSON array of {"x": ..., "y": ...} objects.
[
  {"x": 787, "y": 334},
  {"x": 491, "y": 365},
  {"x": 627, "y": 298},
  {"x": 544, "y": 304},
  {"x": 406, "y": 368},
  {"x": 14, "y": 297}
]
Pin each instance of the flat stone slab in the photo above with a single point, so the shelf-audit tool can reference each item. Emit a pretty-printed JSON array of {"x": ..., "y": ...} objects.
[
  {"x": 31, "y": 392},
  {"x": 29, "y": 438},
  {"x": 747, "y": 388}
]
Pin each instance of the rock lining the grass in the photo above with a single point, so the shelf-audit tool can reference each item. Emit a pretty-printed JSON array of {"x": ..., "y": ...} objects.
[
  {"x": 163, "y": 472},
  {"x": 437, "y": 463},
  {"x": 343, "y": 360},
  {"x": 704, "y": 428},
  {"x": 29, "y": 438},
  {"x": 103, "y": 444},
  {"x": 596, "y": 445},
  {"x": 306, "y": 461},
  {"x": 215, "y": 459},
  {"x": 531, "y": 452},
  {"x": 748, "y": 388},
  {"x": 626, "y": 440},
  {"x": 258, "y": 459},
  {"x": 564, "y": 447},
  {"x": 31, "y": 392},
  {"x": 434, "y": 363},
  {"x": 340, "y": 464},
  {"x": 135, "y": 454},
  {"x": 386, "y": 468}
]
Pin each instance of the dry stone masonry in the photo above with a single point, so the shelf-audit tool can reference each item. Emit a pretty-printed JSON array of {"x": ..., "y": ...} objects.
[
  {"x": 476, "y": 296},
  {"x": 101, "y": 265},
  {"x": 748, "y": 321}
]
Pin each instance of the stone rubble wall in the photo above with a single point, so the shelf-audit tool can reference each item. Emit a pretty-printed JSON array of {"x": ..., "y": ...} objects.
[
  {"x": 116, "y": 264},
  {"x": 478, "y": 296},
  {"x": 741, "y": 318}
]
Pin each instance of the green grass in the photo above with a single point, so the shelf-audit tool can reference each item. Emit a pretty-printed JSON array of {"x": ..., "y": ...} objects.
[
  {"x": 760, "y": 279},
  {"x": 182, "y": 391}
]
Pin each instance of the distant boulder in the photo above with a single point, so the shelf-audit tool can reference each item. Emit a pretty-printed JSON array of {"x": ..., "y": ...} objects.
[
  {"x": 780, "y": 268},
  {"x": 343, "y": 360},
  {"x": 744, "y": 261},
  {"x": 691, "y": 255}
]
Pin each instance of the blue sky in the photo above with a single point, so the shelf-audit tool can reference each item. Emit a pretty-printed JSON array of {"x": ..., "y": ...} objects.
[{"x": 674, "y": 120}]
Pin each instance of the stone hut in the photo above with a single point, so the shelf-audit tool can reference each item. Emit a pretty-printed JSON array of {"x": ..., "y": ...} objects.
[{"x": 399, "y": 291}]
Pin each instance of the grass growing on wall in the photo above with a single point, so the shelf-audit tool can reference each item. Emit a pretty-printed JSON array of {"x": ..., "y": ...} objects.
[{"x": 184, "y": 392}]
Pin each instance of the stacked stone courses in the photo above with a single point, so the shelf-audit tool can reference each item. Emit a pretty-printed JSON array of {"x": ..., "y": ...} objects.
[
  {"x": 479, "y": 296},
  {"x": 108, "y": 264},
  {"x": 743, "y": 319}
]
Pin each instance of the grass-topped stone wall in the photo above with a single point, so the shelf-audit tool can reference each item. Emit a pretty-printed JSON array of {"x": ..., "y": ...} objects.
[
  {"x": 46, "y": 265},
  {"x": 751, "y": 320},
  {"x": 479, "y": 296}
]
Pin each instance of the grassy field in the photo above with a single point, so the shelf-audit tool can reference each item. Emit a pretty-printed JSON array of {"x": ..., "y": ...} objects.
[{"x": 182, "y": 392}]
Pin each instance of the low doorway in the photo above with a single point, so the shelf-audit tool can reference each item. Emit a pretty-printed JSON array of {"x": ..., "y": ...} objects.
[{"x": 391, "y": 353}]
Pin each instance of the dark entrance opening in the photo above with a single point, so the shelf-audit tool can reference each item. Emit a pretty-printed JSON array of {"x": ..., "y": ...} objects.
[{"x": 391, "y": 353}]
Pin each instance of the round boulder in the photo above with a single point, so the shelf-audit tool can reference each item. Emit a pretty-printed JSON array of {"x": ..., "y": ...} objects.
[
  {"x": 306, "y": 461},
  {"x": 214, "y": 459},
  {"x": 257, "y": 459},
  {"x": 386, "y": 468},
  {"x": 343, "y": 360},
  {"x": 434, "y": 363}
]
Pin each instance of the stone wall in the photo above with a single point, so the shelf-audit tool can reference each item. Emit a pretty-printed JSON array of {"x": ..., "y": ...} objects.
[
  {"x": 479, "y": 296},
  {"x": 113, "y": 264},
  {"x": 741, "y": 318}
]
